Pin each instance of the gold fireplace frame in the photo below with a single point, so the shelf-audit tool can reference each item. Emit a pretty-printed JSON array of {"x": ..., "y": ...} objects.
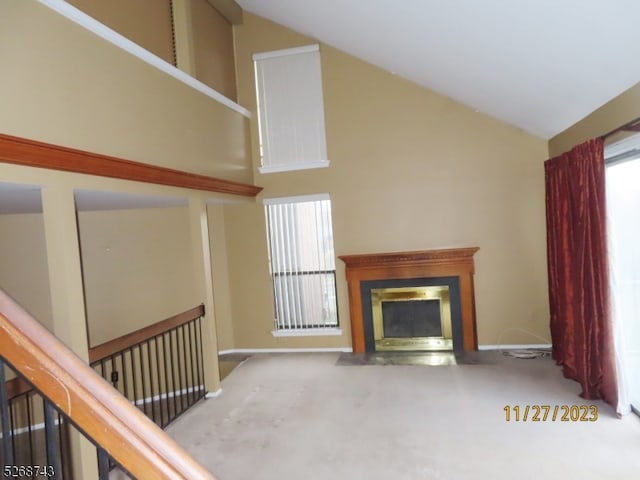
[{"x": 408, "y": 294}]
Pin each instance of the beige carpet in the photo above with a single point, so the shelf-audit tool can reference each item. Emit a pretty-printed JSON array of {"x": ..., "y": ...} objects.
[{"x": 301, "y": 416}]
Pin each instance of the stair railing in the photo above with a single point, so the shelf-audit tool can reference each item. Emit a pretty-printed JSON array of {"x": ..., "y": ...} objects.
[
  {"x": 159, "y": 367},
  {"x": 80, "y": 394}
]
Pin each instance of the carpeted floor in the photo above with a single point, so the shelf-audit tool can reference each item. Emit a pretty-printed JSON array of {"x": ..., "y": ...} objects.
[{"x": 308, "y": 416}]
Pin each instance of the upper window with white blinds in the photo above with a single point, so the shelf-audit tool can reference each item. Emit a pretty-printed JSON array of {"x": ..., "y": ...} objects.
[
  {"x": 290, "y": 109},
  {"x": 302, "y": 262}
]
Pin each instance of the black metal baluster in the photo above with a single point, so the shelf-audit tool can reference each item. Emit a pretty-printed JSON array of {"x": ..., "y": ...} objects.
[
  {"x": 195, "y": 345},
  {"x": 7, "y": 447},
  {"x": 134, "y": 378},
  {"x": 179, "y": 367},
  {"x": 144, "y": 387},
  {"x": 194, "y": 362},
  {"x": 173, "y": 375},
  {"x": 151, "y": 395},
  {"x": 114, "y": 372},
  {"x": 28, "y": 398},
  {"x": 159, "y": 377},
  {"x": 104, "y": 464},
  {"x": 194, "y": 394},
  {"x": 12, "y": 416},
  {"x": 166, "y": 376},
  {"x": 125, "y": 384},
  {"x": 51, "y": 439},
  {"x": 200, "y": 354},
  {"x": 65, "y": 445},
  {"x": 185, "y": 395}
]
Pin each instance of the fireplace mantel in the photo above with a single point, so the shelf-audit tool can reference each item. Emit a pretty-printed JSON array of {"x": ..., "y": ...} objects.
[{"x": 455, "y": 262}]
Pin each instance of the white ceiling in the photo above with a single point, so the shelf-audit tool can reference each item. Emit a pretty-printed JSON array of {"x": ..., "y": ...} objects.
[
  {"x": 19, "y": 198},
  {"x": 540, "y": 65}
]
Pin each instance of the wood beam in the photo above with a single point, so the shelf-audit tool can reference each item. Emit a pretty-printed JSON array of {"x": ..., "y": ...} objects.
[{"x": 31, "y": 153}]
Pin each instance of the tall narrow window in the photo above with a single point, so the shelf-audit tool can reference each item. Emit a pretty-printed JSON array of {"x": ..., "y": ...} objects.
[
  {"x": 290, "y": 109},
  {"x": 302, "y": 263}
]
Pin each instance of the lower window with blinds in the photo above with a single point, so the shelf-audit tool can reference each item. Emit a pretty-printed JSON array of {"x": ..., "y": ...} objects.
[{"x": 302, "y": 261}]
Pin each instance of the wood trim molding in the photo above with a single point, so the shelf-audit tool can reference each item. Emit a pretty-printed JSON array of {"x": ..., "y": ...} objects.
[
  {"x": 462, "y": 257},
  {"x": 31, "y": 153},
  {"x": 113, "y": 422},
  {"x": 420, "y": 264}
]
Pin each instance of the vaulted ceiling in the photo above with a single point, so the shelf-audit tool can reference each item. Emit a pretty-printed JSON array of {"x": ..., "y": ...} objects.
[{"x": 541, "y": 65}]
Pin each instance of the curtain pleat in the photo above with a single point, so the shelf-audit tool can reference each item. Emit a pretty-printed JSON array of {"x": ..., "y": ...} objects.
[{"x": 580, "y": 320}]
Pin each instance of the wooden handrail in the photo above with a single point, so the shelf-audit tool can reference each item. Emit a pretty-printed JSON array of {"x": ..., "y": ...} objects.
[
  {"x": 17, "y": 386},
  {"x": 123, "y": 431},
  {"x": 106, "y": 349}
]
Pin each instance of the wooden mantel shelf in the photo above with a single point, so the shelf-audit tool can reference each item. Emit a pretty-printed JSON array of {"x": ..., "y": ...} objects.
[
  {"x": 456, "y": 262},
  {"x": 455, "y": 256}
]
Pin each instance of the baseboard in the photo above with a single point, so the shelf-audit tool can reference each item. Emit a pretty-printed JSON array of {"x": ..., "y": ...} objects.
[
  {"x": 545, "y": 346},
  {"x": 286, "y": 350},
  {"x": 34, "y": 427},
  {"x": 167, "y": 395},
  {"x": 535, "y": 346},
  {"x": 213, "y": 394},
  {"x": 139, "y": 402}
]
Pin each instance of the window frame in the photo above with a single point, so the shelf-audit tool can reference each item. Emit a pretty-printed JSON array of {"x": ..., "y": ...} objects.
[
  {"x": 309, "y": 133},
  {"x": 280, "y": 326}
]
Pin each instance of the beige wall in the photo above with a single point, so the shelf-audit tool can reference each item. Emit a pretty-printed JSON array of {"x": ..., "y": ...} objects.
[
  {"x": 220, "y": 273},
  {"x": 137, "y": 268},
  {"x": 157, "y": 235},
  {"x": 619, "y": 111},
  {"x": 23, "y": 264},
  {"x": 410, "y": 170},
  {"x": 62, "y": 84},
  {"x": 145, "y": 22},
  {"x": 213, "y": 48}
]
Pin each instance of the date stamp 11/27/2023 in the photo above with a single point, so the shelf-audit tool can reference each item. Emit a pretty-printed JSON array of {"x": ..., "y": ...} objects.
[{"x": 550, "y": 413}]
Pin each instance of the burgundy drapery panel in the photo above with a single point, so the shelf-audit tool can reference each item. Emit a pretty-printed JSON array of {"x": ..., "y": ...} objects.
[{"x": 581, "y": 330}]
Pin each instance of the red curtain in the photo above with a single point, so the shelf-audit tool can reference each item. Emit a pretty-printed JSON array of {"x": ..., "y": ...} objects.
[{"x": 578, "y": 269}]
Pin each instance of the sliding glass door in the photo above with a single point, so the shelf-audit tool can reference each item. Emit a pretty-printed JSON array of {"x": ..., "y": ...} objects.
[{"x": 623, "y": 211}]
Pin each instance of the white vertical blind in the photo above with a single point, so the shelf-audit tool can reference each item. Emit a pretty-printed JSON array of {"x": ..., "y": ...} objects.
[
  {"x": 290, "y": 109},
  {"x": 302, "y": 262}
]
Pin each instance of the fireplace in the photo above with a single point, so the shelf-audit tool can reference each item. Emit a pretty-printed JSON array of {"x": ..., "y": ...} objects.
[
  {"x": 410, "y": 318},
  {"x": 412, "y": 301}
]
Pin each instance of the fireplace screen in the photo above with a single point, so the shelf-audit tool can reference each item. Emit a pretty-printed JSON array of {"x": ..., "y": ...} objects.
[{"x": 412, "y": 318}]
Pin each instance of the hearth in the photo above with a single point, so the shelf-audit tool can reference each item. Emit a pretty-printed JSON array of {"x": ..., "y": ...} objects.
[{"x": 412, "y": 301}]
